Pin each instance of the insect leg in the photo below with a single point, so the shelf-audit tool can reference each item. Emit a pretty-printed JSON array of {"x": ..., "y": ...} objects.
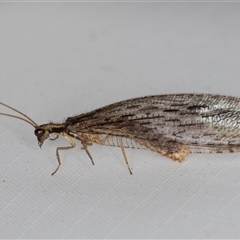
[
  {"x": 52, "y": 139},
  {"x": 86, "y": 150},
  {"x": 124, "y": 154},
  {"x": 69, "y": 139}
]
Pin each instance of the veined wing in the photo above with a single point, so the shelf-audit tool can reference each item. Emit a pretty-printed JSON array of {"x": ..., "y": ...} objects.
[{"x": 203, "y": 122}]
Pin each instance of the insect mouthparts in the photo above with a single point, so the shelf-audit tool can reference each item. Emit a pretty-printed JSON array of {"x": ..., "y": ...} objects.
[{"x": 40, "y": 144}]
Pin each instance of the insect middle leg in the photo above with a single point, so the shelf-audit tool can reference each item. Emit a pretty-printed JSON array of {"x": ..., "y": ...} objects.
[{"x": 84, "y": 144}]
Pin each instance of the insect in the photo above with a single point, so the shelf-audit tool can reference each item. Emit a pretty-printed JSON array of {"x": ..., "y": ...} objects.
[{"x": 172, "y": 125}]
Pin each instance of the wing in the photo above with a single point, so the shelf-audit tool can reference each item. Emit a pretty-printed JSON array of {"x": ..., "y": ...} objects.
[{"x": 202, "y": 122}]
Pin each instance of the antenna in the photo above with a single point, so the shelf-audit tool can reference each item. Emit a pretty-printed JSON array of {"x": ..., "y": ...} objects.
[{"x": 28, "y": 119}]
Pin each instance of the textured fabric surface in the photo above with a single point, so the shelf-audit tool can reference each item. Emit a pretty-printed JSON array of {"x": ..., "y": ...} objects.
[{"x": 62, "y": 59}]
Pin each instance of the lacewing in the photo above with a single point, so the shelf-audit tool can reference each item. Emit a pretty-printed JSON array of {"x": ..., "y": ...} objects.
[{"x": 172, "y": 125}]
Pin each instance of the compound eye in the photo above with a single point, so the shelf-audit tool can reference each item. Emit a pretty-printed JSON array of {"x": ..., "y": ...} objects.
[{"x": 39, "y": 132}]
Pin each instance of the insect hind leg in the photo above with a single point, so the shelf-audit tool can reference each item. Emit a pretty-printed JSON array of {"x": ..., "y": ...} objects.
[{"x": 124, "y": 154}]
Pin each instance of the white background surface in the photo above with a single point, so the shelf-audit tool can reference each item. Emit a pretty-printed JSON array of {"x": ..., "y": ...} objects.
[{"x": 61, "y": 59}]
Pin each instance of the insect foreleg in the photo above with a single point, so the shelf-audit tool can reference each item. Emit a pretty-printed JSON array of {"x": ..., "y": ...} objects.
[
  {"x": 73, "y": 144},
  {"x": 52, "y": 139}
]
